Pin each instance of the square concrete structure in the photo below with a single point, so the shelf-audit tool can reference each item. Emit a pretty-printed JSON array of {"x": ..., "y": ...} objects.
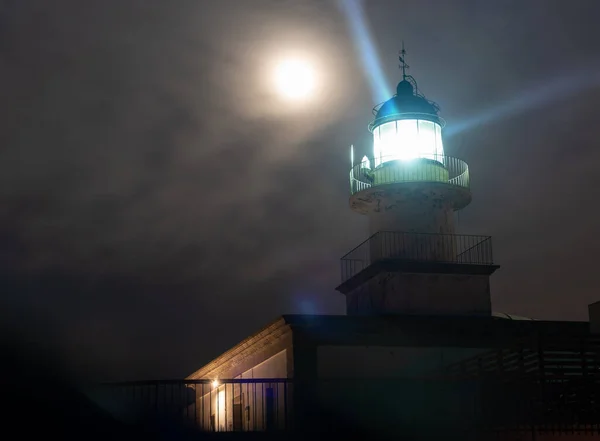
[
  {"x": 370, "y": 370},
  {"x": 306, "y": 347},
  {"x": 594, "y": 314}
]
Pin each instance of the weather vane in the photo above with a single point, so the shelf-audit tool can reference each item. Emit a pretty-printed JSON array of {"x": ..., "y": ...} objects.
[{"x": 403, "y": 64}]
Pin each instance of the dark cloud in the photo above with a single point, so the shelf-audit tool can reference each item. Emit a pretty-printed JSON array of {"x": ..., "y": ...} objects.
[{"x": 157, "y": 203}]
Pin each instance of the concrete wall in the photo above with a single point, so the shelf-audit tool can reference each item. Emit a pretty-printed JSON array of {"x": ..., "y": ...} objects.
[
  {"x": 416, "y": 293},
  {"x": 273, "y": 367},
  {"x": 594, "y": 314},
  {"x": 377, "y": 388},
  {"x": 420, "y": 216},
  {"x": 419, "y": 207},
  {"x": 380, "y": 362},
  {"x": 273, "y": 340}
]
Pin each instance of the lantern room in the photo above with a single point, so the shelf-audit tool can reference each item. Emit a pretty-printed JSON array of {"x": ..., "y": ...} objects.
[{"x": 406, "y": 127}]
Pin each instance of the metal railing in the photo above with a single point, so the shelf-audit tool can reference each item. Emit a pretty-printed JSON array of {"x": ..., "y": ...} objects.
[
  {"x": 424, "y": 116},
  {"x": 392, "y": 170},
  {"x": 552, "y": 387},
  {"x": 215, "y": 406},
  {"x": 419, "y": 406},
  {"x": 417, "y": 247}
]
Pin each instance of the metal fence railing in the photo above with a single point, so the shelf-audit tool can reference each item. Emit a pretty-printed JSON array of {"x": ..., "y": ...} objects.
[
  {"x": 417, "y": 247},
  {"x": 215, "y": 406},
  {"x": 426, "y": 408},
  {"x": 393, "y": 170}
]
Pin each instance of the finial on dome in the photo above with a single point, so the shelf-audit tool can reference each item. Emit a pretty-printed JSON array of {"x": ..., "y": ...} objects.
[
  {"x": 404, "y": 87},
  {"x": 403, "y": 65}
]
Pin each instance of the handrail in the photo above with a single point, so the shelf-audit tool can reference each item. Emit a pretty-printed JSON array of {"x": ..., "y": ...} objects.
[
  {"x": 392, "y": 170},
  {"x": 417, "y": 247}
]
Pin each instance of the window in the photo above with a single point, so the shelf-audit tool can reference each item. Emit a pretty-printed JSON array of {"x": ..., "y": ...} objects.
[
  {"x": 438, "y": 140},
  {"x": 407, "y": 139},
  {"x": 220, "y": 417},
  {"x": 426, "y": 140},
  {"x": 389, "y": 139}
]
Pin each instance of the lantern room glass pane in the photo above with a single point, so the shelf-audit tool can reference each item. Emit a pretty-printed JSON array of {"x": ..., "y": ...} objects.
[
  {"x": 376, "y": 147},
  {"x": 438, "y": 140},
  {"x": 407, "y": 139},
  {"x": 388, "y": 141},
  {"x": 427, "y": 142}
]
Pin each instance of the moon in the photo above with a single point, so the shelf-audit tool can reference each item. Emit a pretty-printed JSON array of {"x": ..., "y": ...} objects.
[{"x": 294, "y": 79}]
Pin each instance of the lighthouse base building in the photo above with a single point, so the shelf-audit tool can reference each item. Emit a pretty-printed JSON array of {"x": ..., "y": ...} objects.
[
  {"x": 419, "y": 377},
  {"x": 420, "y": 354}
]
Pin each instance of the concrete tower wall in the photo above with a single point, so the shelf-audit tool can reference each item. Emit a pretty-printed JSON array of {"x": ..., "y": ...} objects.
[
  {"x": 422, "y": 214},
  {"x": 422, "y": 209},
  {"x": 417, "y": 293}
]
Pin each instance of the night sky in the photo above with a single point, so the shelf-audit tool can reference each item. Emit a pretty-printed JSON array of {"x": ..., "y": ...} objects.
[{"x": 159, "y": 202}]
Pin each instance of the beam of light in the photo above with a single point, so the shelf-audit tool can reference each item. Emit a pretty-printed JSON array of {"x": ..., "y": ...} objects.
[
  {"x": 361, "y": 36},
  {"x": 561, "y": 87}
]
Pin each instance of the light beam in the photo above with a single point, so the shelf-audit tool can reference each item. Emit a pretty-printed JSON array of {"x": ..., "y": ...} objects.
[
  {"x": 559, "y": 88},
  {"x": 363, "y": 43}
]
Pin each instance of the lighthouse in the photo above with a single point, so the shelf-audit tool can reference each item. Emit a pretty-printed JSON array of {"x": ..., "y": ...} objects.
[{"x": 413, "y": 262}]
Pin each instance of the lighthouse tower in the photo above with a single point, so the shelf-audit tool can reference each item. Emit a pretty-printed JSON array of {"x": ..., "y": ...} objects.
[{"x": 413, "y": 261}]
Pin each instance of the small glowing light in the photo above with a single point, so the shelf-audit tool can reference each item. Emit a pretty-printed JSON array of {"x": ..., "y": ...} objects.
[
  {"x": 215, "y": 384},
  {"x": 295, "y": 79},
  {"x": 365, "y": 163}
]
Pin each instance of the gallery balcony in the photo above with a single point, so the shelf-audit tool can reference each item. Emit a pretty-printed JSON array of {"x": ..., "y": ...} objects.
[
  {"x": 431, "y": 168},
  {"x": 419, "y": 251}
]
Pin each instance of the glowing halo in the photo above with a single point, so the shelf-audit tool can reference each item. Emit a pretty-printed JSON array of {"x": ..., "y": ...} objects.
[{"x": 294, "y": 79}]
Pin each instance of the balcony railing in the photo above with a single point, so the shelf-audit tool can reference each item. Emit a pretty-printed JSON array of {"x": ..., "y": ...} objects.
[
  {"x": 422, "y": 407},
  {"x": 417, "y": 247},
  {"x": 214, "y": 406},
  {"x": 393, "y": 170}
]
